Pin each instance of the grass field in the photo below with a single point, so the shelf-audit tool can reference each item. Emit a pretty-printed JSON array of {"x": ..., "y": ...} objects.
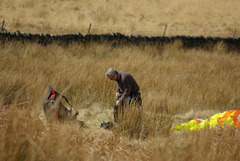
[{"x": 176, "y": 84}]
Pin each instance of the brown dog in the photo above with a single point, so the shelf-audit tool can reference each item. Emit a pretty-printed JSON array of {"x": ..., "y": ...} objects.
[{"x": 56, "y": 111}]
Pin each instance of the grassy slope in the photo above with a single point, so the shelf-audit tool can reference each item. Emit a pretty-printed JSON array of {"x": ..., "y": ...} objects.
[
  {"x": 176, "y": 84},
  {"x": 197, "y": 17}
]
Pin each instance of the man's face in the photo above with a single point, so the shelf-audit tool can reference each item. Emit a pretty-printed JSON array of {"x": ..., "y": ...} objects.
[{"x": 114, "y": 77}]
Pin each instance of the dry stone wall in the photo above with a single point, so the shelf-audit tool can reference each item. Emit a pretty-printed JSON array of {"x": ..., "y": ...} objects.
[{"x": 118, "y": 39}]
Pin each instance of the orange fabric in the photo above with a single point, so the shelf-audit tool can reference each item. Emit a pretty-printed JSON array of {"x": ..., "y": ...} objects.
[
  {"x": 234, "y": 117},
  {"x": 225, "y": 115},
  {"x": 199, "y": 121}
]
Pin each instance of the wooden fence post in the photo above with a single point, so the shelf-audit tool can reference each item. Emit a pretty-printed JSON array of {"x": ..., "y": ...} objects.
[
  {"x": 165, "y": 30},
  {"x": 2, "y": 29},
  {"x": 89, "y": 28},
  {"x": 234, "y": 33}
]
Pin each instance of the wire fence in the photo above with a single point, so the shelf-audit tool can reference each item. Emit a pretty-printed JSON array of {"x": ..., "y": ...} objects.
[{"x": 162, "y": 30}]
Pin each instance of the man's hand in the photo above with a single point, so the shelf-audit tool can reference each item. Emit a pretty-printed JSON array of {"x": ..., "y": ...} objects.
[
  {"x": 117, "y": 94},
  {"x": 117, "y": 103}
]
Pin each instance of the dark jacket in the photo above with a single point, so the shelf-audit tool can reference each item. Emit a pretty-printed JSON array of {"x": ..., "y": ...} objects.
[{"x": 126, "y": 84}]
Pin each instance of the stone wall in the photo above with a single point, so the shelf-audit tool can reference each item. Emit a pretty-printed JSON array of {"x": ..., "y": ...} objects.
[{"x": 118, "y": 39}]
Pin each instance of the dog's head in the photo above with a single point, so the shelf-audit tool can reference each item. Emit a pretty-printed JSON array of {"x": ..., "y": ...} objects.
[{"x": 61, "y": 111}]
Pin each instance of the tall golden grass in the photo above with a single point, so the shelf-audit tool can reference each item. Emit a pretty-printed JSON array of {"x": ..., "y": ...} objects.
[
  {"x": 144, "y": 17},
  {"x": 176, "y": 85}
]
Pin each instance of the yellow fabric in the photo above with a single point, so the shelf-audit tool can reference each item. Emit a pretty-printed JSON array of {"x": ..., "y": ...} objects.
[
  {"x": 186, "y": 126},
  {"x": 217, "y": 120}
]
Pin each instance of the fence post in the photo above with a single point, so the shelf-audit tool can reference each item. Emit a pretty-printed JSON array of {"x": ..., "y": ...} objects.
[
  {"x": 234, "y": 33},
  {"x": 165, "y": 30},
  {"x": 2, "y": 29},
  {"x": 89, "y": 28}
]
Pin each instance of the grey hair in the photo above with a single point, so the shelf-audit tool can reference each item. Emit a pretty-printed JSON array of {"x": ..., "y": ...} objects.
[{"x": 110, "y": 72}]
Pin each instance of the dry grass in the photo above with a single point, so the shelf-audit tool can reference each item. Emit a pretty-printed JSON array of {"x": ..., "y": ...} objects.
[
  {"x": 196, "y": 17},
  {"x": 176, "y": 84}
]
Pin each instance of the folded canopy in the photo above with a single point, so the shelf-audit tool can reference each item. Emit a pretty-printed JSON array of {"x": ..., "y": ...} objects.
[{"x": 227, "y": 118}]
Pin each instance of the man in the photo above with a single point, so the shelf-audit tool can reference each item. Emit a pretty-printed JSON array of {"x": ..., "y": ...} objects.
[{"x": 127, "y": 90}]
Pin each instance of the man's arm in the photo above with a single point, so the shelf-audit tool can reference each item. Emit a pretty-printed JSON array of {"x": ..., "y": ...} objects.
[
  {"x": 127, "y": 90},
  {"x": 117, "y": 88}
]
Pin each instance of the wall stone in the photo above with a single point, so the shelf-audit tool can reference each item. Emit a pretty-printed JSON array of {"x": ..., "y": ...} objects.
[{"x": 118, "y": 39}]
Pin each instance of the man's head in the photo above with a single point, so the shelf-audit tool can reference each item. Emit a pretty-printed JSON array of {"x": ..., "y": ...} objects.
[{"x": 112, "y": 74}]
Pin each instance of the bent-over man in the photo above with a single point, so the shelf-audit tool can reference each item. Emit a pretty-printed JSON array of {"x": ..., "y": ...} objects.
[{"x": 127, "y": 90}]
